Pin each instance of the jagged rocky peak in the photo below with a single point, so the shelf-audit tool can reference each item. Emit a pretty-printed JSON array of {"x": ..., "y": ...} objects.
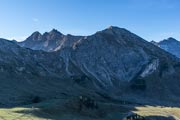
[
  {"x": 114, "y": 29},
  {"x": 169, "y": 40},
  {"x": 171, "y": 45},
  {"x": 49, "y": 41},
  {"x": 120, "y": 33},
  {"x": 35, "y": 36},
  {"x": 53, "y": 35},
  {"x": 36, "y": 33},
  {"x": 55, "y": 31}
]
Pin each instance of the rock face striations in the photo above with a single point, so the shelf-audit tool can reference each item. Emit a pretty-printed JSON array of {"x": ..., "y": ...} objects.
[{"x": 113, "y": 62}]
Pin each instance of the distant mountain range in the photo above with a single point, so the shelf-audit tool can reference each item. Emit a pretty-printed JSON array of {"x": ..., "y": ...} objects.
[
  {"x": 49, "y": 41},
  {"x": 55, "y": 40},
  {"x": 171, "y": 45},
  {"x": 110, "y": 64}
]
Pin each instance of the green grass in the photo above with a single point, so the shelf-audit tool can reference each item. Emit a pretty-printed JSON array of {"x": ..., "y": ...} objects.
[
  {"x": 55, "y": 110},
  {"x": 15, "y": 114}
]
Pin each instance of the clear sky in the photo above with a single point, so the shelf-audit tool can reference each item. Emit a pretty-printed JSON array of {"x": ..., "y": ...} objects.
[{"x": 150, "y": 19}]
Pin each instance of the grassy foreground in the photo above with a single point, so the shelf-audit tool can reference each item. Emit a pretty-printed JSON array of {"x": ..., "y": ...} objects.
[
  {"x": 55, "y": 111},
  {"x": 15, "y": 114},
  {"x": 159, "y": 111}
]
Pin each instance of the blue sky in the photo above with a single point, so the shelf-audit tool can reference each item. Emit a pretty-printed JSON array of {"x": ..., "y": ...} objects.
[{"x": 150, "y": 19}]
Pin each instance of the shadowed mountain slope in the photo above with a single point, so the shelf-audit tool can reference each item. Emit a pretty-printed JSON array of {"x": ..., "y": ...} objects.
[{"x": 113, "y": 64}]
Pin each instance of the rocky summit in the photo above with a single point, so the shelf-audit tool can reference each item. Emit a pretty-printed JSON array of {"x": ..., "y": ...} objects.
[
  {"x": 171, "y": 45},
  {"x": 49, "y": 41}
]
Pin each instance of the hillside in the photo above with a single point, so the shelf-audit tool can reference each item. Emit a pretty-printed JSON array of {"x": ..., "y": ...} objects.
[
  {"x": 116, "y": 62},
  {"x": 112, "y": 66}
]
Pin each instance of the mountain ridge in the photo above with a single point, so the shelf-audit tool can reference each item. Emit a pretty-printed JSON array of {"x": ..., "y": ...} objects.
[
  {"x": 113, "y": 62},
  {"x": 49, "y": 41},
  {"x": 170, "y": 45}
]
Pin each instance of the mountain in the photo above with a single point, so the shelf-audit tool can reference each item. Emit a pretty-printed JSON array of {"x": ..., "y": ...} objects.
[
  {"x": 121, "y": 63},
  {"x": 49, "y": 41},
  {"x": 26, "y": 74},
  {"x": 112, "y": 64},
  {"x": 171, "y": 45}
]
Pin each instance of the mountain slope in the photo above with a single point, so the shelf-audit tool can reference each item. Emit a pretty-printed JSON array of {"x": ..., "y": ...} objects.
[
  {"x": 122, "y": 62},
  {"x": 171, "y": 45},
  {"x": 111, "y": 64},
  {"x": 26, "y": 74}
]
